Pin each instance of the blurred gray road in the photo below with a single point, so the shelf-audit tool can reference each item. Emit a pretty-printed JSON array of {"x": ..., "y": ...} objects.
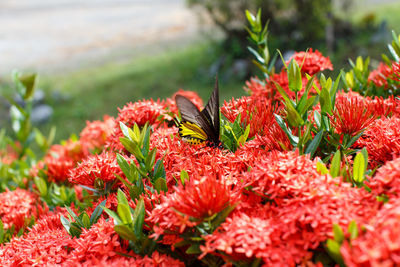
[{"x": 53, "y": 35}]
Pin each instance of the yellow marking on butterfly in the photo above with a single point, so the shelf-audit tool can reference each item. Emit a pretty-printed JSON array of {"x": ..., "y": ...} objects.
[{"x": 192, "y": 133}]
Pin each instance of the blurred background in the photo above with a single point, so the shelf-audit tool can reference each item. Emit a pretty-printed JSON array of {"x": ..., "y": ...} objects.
[{"x": 93, "y": 56}]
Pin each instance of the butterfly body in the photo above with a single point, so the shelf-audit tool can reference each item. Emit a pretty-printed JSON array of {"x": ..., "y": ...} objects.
[{"x": 200, "y": 127}]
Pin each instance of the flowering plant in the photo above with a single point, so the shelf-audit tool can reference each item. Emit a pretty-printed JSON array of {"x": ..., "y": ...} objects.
[{"x": 305, "y": 158}]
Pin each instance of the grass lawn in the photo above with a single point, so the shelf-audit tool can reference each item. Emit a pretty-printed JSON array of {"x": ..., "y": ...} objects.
[{"x": 91, "y": 93}]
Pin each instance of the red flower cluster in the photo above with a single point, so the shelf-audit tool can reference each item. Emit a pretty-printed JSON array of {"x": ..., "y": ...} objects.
[
  {"x": 103, "y": 166},
  {"x": 250, "y": 108},
  {"x": 352, "y": 115},
  {"x": 312, "y": 62},
  {"x": 18, "y": 206},
  {"x": 382, "y": 141},
  {"x": 281, "y": 209},
  {"x": 383, "y": 73},
  {"x": 95, "y": 134}
]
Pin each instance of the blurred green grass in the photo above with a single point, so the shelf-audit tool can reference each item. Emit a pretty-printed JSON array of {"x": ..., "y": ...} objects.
[{"x": 89, "y": 94}]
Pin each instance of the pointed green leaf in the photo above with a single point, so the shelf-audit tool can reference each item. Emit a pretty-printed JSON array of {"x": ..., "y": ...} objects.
[
  {"x": 312, "y": 147},
  {"x": 338, "y": 233},
  {"x": 294, "y": 76},
  {"x": 184, "y": 176},
  {"x": 161, "y": 185},
  {"x": 359, "y": 168},
  {"x": 138, "y": 218},
  {"x": 73, "y": 215},
  {"x": 124, "y": 213},
  {"x": 122, "y": 198},
  {"x": 125, "y": 232},
  {"x": 86, "y": 220},
  {"x": 335, "y": 164},
  {"x": 293, "y": 139},
  {"x": 321, "y": 168},
  {"x": 41, "y": 185},
  {"x": 353, "y": 230},
  {"x": 97, "y": 212},
  {"x": 193, "y": 249},
  {"x": 113, "y": 215}
]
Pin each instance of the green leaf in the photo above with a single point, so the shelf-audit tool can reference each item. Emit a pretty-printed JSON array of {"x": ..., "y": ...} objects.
[
  {"x": 66, "y": 223},
  {"x": 353, "y": 230},
  {"x": 338, "y": 233},
  {"x": 161, "y": 185},
  {"x": 365, "y": 154},
  {"x": 359, "y": 168},
  {"x": 312, "y": 147},
  {"x": 97, "y": 212},
  {"x": 293, "y": 117},
  {"x": 1, "y": 231},
  {"x": 131, "y": 147},
  {"x": 335, "y": 164},
  {"x": 73, "y": 215},
  {"x": 293, "y": 139},
  {"x": 294, "y": 76},
  {"x": 123, "y": 164},
  {"x": 256, "y": 55},
  {"x": 334, "y": 250},
  {"x": 125, "y": 129},
  {"x": 28, "y": 81},
  {"x": 325, "y": 100},
  {"x": 138, "y": 218},
  {"x": 113, "y": 215},
  {"x": 250, "y": 18},
  {"x": 125, "y": 232},
  {"x": 194, "y": 249},
  {"x": 321, "y": 168},
  {"x": 86, "y": 220},
  {"x": 41, "y": 185},
  {"x": 283, "y": 93},
  {"x": 159, "y": 170},
  {"x": 150, "y": 159},
  {"x": 184, "y": 176},
  {"x": 124, "y": 213},
  {"x": 122, "y": 198}
]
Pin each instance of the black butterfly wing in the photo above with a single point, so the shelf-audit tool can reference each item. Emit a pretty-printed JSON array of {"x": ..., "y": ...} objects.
[
  {"x": 211, "y": 111},
  {"x": 190, "y": 113}
]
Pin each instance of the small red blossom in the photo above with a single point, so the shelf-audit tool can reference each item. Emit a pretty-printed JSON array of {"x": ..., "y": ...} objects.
[
  {"x": 18, "y": 206},
  {"x": 190, "y": 204},
  {"x": 254, "y": 111},
  {"x": 379, "y": 243},
  {"x": 382, "y": 141},
  {"x": 312, "y": 62},
  {"x": 384, "y": 72},
  {"x": 387, "y": 179},
  {"x": 60, "y": 159},
  {"x": 352, "y": 115},
  {"x": 141, "y": 112},
  {"x": 95, "y": 134},
  {"x": 46, "y": 244},
  {"x": 100, "y": 241},
  {"x": 103, "y": 166}
]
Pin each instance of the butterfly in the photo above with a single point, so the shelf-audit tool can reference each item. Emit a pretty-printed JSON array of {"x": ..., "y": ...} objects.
[{"x": 200, "y": 127}]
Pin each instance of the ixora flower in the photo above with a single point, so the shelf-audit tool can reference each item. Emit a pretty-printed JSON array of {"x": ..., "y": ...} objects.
[
  {"x": 382, "y": 141},
  {"x": 352, "y": 115},
  {"x": 18, "y": 206},
  {"x": 312, "y": 62},
  {"x": 102, "y": 166},
  {"x": 95, "y": 134},
  {"x": 190, "y": 204},
  {"x": 379, "y": 243},
  {"x": 256, "y": 111},
  {"x": 141, "y": 112},
  {"x": 46, "y": 244},
  {"x": 385, "y": 72}
]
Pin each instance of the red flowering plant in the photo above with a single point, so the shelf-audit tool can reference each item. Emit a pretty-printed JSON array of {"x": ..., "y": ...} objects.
[{"x": 298, "y": 181}]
